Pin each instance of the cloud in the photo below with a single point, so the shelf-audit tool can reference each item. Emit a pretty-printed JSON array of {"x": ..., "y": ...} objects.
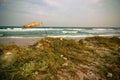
[
  {"x": 53, "y": 3},
  {"x": 95, "y": 1},
  {"x": 60, "y": 12},
  {"x": 23, "y": 7}
]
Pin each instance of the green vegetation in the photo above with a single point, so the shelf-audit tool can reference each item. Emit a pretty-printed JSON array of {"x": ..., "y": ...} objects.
[{"x": 59, "y": 58}]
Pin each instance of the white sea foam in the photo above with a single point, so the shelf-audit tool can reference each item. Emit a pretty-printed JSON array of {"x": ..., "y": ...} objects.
[
  {"x": 78, "y": 29},
  {"x": 108, "y": 35},
  {"x": 58, "y": 32},
  {"x": 57, "y": 36},
  {"x": 101, "y": 29},
  {"x": 71, "y": 36},
  {"x": 69, "y": 32},
  {"x": 74, "y": 29},
  {"x": 29, "y": 29},
  {"x": 56, "y": 29}
]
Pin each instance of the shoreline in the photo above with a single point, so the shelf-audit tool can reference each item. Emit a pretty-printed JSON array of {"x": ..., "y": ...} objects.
[
  {"x": 20, "y": 41},
  {"x": 59, "y": 58},
  {"x": 26, "y": 41}
]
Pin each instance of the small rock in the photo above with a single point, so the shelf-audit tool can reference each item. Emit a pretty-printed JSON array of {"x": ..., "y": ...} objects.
[
  {"x": 8, "y": 53},
  {"x": 64, "y": 58},
  {"x": 61, "y": 39},
  {"x": 65, "y": 64},
  {"x": 109, "y": 74},
  {"x": 39, "y": 45},
  {"x": 61, "y": 55},
  {"x": 7, "y": 59}
]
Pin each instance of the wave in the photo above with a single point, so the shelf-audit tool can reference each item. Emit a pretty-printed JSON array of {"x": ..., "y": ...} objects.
[
  {"x": 78, "y": 36},
  {"x": 101, "y": 29},
  {"x": 64, "y": 36},
  {"x": 98, "y": 31},
  {"x": 29, "y": 29},
  {"x": 58, "y": 32},
  {"x": 56, "y": 29},
  {"x": 65, "y": 32},
  {"x": 73, "y": 36},
  {"x": 77, "y": 29}
]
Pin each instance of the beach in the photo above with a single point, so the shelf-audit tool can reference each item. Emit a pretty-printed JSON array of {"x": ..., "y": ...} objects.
[
  {"x": 20, "y": 41},
  {"x": 24, "y": 37},
  {"x": 26, "y": 41},
  {"x": 61, "y": 58},
  {"x": 59, "y": 39},
  {"x": 59, "y": 53}
]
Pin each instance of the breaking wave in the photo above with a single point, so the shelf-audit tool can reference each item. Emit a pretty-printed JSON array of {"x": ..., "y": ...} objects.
[{"x": 57, "y": 31}]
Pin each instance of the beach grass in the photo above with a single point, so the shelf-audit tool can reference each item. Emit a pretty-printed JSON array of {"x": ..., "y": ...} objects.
[{"x": 92, "y": 58}]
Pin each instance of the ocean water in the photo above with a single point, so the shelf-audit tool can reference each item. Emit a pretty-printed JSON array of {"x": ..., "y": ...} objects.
[{"x": 19, "y": 31}]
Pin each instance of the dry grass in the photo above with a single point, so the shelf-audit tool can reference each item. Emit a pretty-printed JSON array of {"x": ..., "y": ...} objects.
[{"x": 59, "y": 58}]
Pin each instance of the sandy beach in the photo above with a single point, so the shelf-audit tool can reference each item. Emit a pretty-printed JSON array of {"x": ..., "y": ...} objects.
[
  {"x": 20, "y": 41},
  {"x": 90, "y": 58},
  {"x": 26, "y": 41}
]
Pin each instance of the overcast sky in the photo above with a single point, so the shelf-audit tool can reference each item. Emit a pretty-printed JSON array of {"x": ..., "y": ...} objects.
[{"x": 95, "y": 13}]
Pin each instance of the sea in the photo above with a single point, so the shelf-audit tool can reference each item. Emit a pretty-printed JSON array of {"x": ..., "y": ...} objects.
[{"x": 19, "y": 31}]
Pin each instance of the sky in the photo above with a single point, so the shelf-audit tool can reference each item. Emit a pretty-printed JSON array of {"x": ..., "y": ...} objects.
[{"x": 68, "y": 13}]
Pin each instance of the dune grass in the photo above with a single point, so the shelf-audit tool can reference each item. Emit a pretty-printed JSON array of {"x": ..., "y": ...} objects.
[{"x": 59, "y": 58}]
